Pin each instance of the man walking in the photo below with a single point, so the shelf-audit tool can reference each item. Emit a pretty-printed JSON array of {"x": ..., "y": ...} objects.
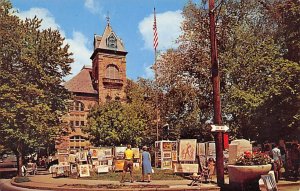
[
  {"x": 277, "y": 161},
  {"x": 128, "y": 164}
]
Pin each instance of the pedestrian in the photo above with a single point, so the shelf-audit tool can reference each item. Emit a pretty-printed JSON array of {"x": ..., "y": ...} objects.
[
  {"x": 128, "y": 163},
  {"x": 282, "y": 149},
  {"x": 146, "y": 165},
  {"x": 277, "y": 161},
  {"x": 89, "y": 156}
]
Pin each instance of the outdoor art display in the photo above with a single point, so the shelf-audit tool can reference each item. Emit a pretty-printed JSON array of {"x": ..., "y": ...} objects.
[
  {"x": 119, "y": 165},
  {"x": 84, "y": 170},
  {"x": 187, "y": 149},
  {"x": 211, "y": 149}
]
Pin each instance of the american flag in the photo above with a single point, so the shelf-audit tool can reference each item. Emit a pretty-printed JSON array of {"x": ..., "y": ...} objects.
[{"x": 155, "y": 35}]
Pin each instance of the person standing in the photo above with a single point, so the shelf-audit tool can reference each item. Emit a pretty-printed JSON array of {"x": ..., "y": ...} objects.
[
  {"x": 128, "y": 163},
  {"x": 146, "y": 165},
  {"x": 277, "y": 161}
]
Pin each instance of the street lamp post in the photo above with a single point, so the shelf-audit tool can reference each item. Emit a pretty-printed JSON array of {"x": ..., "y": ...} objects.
[{"x": 216, "y": 95}]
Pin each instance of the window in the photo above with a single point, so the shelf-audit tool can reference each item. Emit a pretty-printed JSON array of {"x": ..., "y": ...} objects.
[
  {"x": 111, "y": 41},
  {"x": 77, "y": 106},
  {"x": 81, "y": 123},
  {"x": 77, "y": 142},
  {"x": 112, "y": 72}
]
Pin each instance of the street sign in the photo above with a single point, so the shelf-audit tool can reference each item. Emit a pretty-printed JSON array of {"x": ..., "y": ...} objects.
[{"x": 219, "y": 128}]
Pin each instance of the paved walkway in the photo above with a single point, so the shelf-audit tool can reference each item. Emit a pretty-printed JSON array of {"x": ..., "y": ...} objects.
[{"x": 46, "y": 182}]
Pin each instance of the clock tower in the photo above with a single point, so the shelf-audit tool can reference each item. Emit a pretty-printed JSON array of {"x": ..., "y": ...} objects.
[{"x": 109, "y": 66}]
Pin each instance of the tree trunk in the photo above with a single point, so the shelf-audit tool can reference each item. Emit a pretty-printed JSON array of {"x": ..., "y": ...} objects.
[{"x": 19, "y": 156}]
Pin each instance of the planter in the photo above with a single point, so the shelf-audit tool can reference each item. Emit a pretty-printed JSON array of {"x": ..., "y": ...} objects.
[{"x": 241, "y": 177}]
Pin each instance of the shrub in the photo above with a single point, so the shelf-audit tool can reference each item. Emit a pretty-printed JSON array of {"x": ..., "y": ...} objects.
[{"x": 255, "y": 158}]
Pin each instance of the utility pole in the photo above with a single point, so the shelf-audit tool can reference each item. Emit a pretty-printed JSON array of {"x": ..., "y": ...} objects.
[{"x": 216, "y": 94}]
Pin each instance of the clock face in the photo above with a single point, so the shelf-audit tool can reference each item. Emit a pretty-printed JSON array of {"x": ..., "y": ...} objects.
[{"x": 112, "y": 41}]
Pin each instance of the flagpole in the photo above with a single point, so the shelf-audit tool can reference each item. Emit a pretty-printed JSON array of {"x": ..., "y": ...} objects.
[{"x": 155, "y": 44}]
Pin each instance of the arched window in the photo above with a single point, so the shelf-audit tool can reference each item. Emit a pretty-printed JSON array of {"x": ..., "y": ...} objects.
[{"x": 112, "y": 72}]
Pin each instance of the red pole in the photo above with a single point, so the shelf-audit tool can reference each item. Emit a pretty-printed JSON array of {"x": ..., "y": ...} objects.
[{"x": 216, "y": 95}]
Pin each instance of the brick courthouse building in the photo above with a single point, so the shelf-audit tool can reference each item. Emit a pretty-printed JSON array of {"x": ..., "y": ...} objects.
[{"x": 105, "y": 80}]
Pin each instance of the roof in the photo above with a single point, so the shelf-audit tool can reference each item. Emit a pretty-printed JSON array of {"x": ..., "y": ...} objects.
[
  {"x": 100, "y": 41},
  {"x": 82, "y": 82}
]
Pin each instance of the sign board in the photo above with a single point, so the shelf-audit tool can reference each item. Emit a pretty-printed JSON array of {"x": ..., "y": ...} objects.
[
  {"x": 186, "y": 168},
  {"x": 219, "y": 128}
]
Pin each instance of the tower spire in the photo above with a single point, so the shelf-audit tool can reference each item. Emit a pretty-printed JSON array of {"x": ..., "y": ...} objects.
[{"x": 108, "y": 18}]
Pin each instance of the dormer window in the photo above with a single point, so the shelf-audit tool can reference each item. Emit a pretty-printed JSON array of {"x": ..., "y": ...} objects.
[{"x": 111, "y": 41}]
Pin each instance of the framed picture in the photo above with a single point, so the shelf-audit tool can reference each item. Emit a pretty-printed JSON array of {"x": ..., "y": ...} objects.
[
  {"x": 119, "y": 152},
  {"x": 166, "y": 164},
  {"x": 107, "y": 152},
  {"x": 84, "y": 170},
  {"x": 63, "y": 158},
  {"x": 72, "y": 158},
  {"x": 186, "y": 168},
  {"x": 157, "y": 146},
  {"x": 201, "y": 149},
  {"x": 167, "y": 155},
  {"x": 174, "y": 146},
  {"x": 82, "y": 156},
  {"x": 187, "y": 149},
  {"x": 95, "y": 162},
  {"x": 94, "y": 153},
  {"x": 174, "y": 156},
  {"x": 167, "y": 146},
  {"x": 119, "y": 165},
  {"x": 136, "y": 153}
]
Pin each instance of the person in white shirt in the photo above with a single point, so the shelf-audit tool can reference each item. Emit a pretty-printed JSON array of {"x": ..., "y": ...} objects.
[{"x": 276, "y": 155}]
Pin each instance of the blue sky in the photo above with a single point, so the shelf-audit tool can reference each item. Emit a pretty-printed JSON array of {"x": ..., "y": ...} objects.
[{"x": 131, "y": 20}]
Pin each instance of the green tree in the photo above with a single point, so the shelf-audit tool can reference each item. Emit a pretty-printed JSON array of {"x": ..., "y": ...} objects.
[
  {"x": 259, "y": 83},
  {"x": 115, "y": 123},
  {"x": 33, "y": 63}
]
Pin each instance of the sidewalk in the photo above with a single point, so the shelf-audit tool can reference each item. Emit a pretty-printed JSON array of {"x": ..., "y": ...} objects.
[{"x": 46, "y": 182}]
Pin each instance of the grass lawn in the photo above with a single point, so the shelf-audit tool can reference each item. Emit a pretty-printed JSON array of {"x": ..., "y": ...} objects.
[{"x": 116, "y": 176}]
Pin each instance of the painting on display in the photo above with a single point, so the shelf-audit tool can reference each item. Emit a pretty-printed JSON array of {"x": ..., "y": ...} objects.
[
  {"x": 95, "y": 162},
  {"x": 63, "y": 158},
  {"x": 212, "y": 149},
  {"x": 174, "y": 146},
  {"x": 174, "y": 156},
  {"x": 119, "y": 165},
  {"x": 119, "y": 152},
  {"x": 72, "y": 158},
  {"x": 82, "y": 156},
  {"x": 186, "y": 168},
  {"x": 167, "y": 155},
  {"x": 107, "y": 152},
  {"x": 187, "y": 149},
  {"x": 94, "y": 153},
  {"x": 84, "y": 170},
  {"x": 201, "y": 149},
  {"x": 136, "y": 153},
  {"x": 166, "y": 164},
  {"x": 167, "y": 146}
]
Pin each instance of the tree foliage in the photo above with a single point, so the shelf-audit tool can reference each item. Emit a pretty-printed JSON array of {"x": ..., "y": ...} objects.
[
  {"x": 259, "y": 78},
  {"x": 33, "y": 63}
]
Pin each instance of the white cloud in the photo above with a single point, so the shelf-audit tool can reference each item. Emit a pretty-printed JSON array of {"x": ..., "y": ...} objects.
[
  {"x": 93, "y": 6},
  {"x": 41, "y": 13},
  {"x": 81, "y": 54},
  {"x": 168, "y": 28},
  {"x": 78, "y": 42}
]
